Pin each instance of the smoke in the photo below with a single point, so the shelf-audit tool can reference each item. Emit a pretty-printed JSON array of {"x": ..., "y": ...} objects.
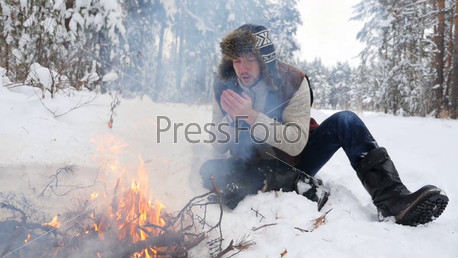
[{"x": 174, "y": 44}]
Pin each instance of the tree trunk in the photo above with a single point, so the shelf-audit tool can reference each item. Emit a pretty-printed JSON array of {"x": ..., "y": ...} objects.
[
  {"x": 435, "y": 35},
  {"x": 68, "y": 5},
  {"x": 7, "y": 58},
  {"x": 439, "y": 62},
  {"x": 454, "y": 88},
  {"x": 159, "y": 70},
  {"x": 179, "y": 70}
]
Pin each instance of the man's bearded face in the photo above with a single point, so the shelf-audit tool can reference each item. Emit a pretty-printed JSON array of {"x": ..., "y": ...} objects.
[{"x": 247, "y": 69}]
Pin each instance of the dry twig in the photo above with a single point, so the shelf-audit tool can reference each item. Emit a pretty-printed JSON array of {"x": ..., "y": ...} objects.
[
  {"x": 258, "y": 214},
  {"x": 264, "y": 226},
  {"x": 243, "y": 244},
  {"x": 227, "y": 250},
  {"x": 316, "y": 223},
  {"x": 114, "y": 104},
  {"x": 53, "y": 184}
]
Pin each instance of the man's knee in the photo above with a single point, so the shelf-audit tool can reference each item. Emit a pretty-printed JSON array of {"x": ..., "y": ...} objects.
[{"x": 346, "y": 115}]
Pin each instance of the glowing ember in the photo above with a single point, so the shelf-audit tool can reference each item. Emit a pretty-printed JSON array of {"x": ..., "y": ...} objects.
[
  {"x": 27, "y": 239},
  {"x": 54, "y": 223},
  {"x": 93, "y": 196}
]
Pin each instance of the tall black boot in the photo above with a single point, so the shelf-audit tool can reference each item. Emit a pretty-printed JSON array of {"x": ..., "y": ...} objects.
[
  {"x": 392, "y": 198},
  {"x": 281, "y": 176}
]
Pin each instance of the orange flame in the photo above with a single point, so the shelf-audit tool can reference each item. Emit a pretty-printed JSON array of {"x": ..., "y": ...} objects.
[
  {"x": 93, "y": 196},
  {"x": 54, "y": 223},
  {"x": 27, "y": 239},
  {"x": 135, "y": 211},
  {"x": 132, "y": 214},
  {"x": 109, "y": 148}
]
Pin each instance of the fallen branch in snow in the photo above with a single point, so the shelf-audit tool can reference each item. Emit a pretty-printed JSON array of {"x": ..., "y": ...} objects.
[
  {"x": 258, "y": 213},
  {"x": 264, "y": 226},
  {"x": 216, "y": 245},
  {"x": 242, "y": 245},
  {"x": 316, "y": 223},
  {"x": 79, "y": 105},
  {"x": 284, "y": 253},
  {"x": 227, "y": 250},
  {"x": 301, "y": 229},
  {"x": 13, "y": 85}
]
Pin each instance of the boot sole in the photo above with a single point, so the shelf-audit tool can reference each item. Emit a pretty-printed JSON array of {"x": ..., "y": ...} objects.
[{"x": 426, "y": 208}]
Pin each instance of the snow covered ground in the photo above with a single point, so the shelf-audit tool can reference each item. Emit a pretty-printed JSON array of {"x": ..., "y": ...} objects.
[{"x": 34, "y": 143}]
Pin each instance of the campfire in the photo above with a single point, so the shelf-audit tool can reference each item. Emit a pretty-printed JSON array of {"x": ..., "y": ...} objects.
[{"x": 123, "y": 222}]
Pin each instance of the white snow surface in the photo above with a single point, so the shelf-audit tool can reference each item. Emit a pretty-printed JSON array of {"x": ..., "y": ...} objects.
[
  {"x": 112, "y": 76},
  {"x": 33, "y": 141}
]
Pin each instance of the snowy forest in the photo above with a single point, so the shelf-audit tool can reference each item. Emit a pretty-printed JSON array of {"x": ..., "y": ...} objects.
[{"x": 169, "y": 50}]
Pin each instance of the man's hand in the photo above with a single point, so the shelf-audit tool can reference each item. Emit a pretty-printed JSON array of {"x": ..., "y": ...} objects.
[{"x": 237, "y": 106}]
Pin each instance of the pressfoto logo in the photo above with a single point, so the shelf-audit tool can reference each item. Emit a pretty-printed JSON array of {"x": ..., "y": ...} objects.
[{"x": 227, "y": 132}]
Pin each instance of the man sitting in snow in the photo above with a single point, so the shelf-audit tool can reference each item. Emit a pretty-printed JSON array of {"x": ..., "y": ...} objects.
[{"x": 262, "y": 112}]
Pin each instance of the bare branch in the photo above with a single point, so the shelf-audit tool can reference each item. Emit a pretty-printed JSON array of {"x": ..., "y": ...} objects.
[
  {"x": 258, "y": 213},
  {"x": 79, "y": 105},
  {"x": 68, "y": 170},
  {"x": 263, "y": 226},
  {"x": 227, "y": 250},
  {"x": 316, "y": 223}
]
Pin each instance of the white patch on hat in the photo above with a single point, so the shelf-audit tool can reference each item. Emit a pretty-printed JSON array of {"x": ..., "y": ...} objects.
[
  {"x": 269, "y": 58},
  {"x": 263, "y": 39}
]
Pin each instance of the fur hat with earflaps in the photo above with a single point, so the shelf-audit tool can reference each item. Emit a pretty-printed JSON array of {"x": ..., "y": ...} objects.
[{"x": 249, "y": 39}]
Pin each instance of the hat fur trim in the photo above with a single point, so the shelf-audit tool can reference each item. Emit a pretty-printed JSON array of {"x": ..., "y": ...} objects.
[{"x": 237, "y": 44}]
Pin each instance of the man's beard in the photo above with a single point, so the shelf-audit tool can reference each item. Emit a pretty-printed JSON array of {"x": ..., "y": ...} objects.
[{"x": 252, "y": 80}]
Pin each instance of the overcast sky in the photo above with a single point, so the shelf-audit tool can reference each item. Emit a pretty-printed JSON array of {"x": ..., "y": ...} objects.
[{"x": 327, "y": 31}]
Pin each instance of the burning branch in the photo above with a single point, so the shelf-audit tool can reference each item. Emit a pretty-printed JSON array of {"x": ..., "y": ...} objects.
[
  {"x": 175, "y": 236},
  {"x": 19, "y": 230},
  {"x": 166, "y": 239},
  {"x": 129, "y": 225}
]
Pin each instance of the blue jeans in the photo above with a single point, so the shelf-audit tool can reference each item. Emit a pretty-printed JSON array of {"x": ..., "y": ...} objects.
[{"x": 341, "y": 130}]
